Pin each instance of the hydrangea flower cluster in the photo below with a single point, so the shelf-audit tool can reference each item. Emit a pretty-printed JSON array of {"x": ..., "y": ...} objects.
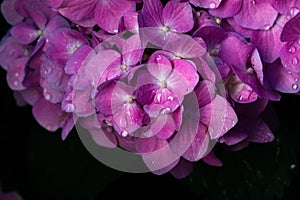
[{"x": 165, "y": 79}]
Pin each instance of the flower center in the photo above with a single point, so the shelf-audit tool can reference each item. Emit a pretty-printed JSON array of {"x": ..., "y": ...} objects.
[
  {"x": 163, "y": 84},
  {"x": 130, "y": 100},
  {"x": 165, "y": 29},
  {"x": 123, "y": 67},
  {"x": 40, "y": 32}
]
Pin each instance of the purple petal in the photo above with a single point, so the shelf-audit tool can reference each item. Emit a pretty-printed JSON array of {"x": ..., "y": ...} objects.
[
  {"x": 177, "y": 117},
  {"x": 218, "y": 116},
  {"x": 185, "y": 47},
  {"x": 212, "y": 160},
  {"x": 77, "y": 59},
  {"x": 54, "y": 3},
  {"x": 56, "y": 77},
  {"x": 252, "y": 109},
  {"x": 235, "y": 45},
  {"x": 152, "y": 12},
  {"x": 103, "y": 101},
  {"x": 107, "y": 14},
  {"x": 129, "y": 22},
  {"x": 38, "y": 17},
  {"x": 281, "y": 79},
  {"x": 268, "y": 41},
  {"x": 50, "y": 94},
  {"x": 24, "y": 33},
  {"x": 182, "y": 169},
  {"x": 236, "y": 135},
  {"x": 258, "y": 14},
  {"x": 290, "y": 58},
  {"x": 31, "y": 95},
  {"x": 206, "y": 3},
  {"x": 178, "y": 16},
  {"x": 227, "y": 8},
  {"x": 9, "y": 12},
  {"x": 77, "y": 10},
  {"x": 240, "y": 92},
  {"x": 63, "y": 43},
  {"x": 183, "y": 78},
  {"x": 16, "y": 74},
  {"x": 47, "y": 114},
  {"x": 67, "y": 126},
  {"x": 55, "y": 23},
  {"x": 284, "y": 6}
]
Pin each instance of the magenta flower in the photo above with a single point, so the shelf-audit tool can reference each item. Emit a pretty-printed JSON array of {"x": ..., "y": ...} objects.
[
  {"x": 165, "y": 22},
  {"x": 162, "y": 87}
]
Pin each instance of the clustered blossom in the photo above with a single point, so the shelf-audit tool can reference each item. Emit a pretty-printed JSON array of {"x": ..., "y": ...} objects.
[{"x": 166, "y": 79}]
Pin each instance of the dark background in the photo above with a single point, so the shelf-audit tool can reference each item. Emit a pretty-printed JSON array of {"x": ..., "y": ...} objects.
[{"x": 38, "y": 165}]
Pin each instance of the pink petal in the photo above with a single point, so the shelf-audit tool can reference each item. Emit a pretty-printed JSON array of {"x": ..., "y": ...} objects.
[
  {"x": 104, "y": 137},
  {"x": 218, "y": 116},
  {"x": 184, "y": 47},
  {"x": 205, "y": 92},
  {"x": 164, "y": 127},
  {"x": 291, "y": 30},
  {"x": 258, "y": 14},
  {"x": 31, "y": 95},
  {"x": 178, "y": 16},
  {"x": 47, "y": 114},
  {"x": 107, "y": 14},
  {"x": 183, "y": 78},
  {"x": 67, "y": 126},
  {"x": 160, "y": 68},
  {"x": 189, "y": 131},
  {"x": 38, "y": 17}
]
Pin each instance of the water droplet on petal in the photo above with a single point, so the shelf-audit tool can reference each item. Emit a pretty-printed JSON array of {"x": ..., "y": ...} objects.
[
  {"x": 16, "y": 83},
  {"x": 295, "y": 61},
  {"x": 124, "y": 133},
  {"x": 212, "y": 5},
  {"x": 267, "y": 27},
  {"x": 69, "y": 107},
  {"x": 17, "y": 74},
  {"x": 289, "y": 72},
  {"x": 253, "y": 2},
  {"x": 47, "y": 96},
  {"x": 295, "y": 86},
  {"x": 293, "y": 166},
  {"x": 240, "y": 98},
  {"x": 292, "y": 49},
  {"x": 222, "y": 119},
  {"x": 165, "y": 111}
]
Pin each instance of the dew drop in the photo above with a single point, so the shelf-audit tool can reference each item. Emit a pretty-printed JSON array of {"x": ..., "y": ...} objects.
[
  {"x": 212, "y": 5},
  {"x": 241, "y": 98},
  {"x": 253, "y": 2},
  {"x": 292, "y": 49},
  {"x": 295, "y": 86},
  {"x": 124, "y": 133},
  {"x": 295, "y": 61},
  {"x": 69, "y": 107},
  {"x": 289, "y": 72},
  {"x": 267, "y": 27},
  {"x": 293, "y": 166},
  {"x": 16, "y": 83},
  {"x": 222, "y": 119},
  {"x": 17, "y": 74},
  {"x": 47, "y": 96},
  {"x": 165, "y": 111}
]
